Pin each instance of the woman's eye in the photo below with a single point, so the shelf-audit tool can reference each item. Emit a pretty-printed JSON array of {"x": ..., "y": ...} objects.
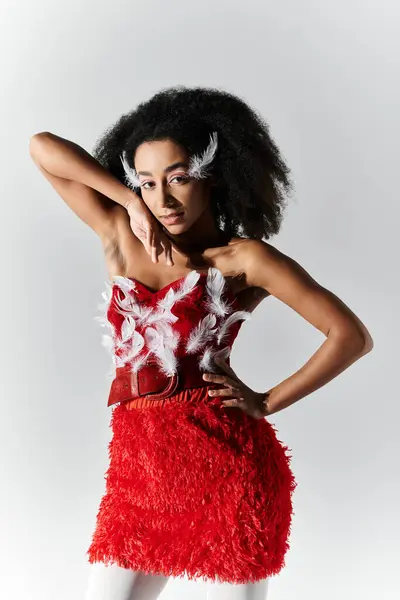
[{"x": 181, "y": 177}]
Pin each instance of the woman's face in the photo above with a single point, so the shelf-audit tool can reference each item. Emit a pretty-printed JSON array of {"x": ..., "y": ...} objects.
[{"x": 162, "y": 168}]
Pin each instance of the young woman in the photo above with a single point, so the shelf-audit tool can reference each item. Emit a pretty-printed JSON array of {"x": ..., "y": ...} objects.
[{"x": 181, "y": 191}]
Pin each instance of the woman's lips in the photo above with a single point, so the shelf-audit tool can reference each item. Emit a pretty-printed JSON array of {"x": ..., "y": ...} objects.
[{"x": 177, "y": 218}]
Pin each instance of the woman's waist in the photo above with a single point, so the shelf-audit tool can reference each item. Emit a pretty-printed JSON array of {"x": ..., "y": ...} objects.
[{"x": 151, "y": 386}]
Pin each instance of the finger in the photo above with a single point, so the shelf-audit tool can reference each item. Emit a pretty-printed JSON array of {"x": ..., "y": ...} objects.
[
  {"x": 228, "y": 391},
  {"x": 148, "y": 240},
  {"x": 233, "y": 402},
  {"x": 143, "y": 236},
  {"x": 154, "y": 247},
  {"x": 167, "y": 251},
  {"x": 215, "y": 377}
]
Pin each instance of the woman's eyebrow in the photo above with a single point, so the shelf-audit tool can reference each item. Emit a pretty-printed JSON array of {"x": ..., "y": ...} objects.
[{"x": 167, "y": 169}]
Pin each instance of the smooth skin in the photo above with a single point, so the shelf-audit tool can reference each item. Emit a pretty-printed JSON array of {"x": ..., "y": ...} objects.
[{"x": 253, "y": 269}]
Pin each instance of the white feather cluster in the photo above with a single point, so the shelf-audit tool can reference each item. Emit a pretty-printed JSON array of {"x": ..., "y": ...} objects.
[
  {"x": 162, "y": 340},
  {"x": 107, "y": 340},
  {"x": 158, "y": 337},
  {"x": 200, "y": 164},
  {"x": 131, "y": 178},
  {"x": 218, "y": 308}
]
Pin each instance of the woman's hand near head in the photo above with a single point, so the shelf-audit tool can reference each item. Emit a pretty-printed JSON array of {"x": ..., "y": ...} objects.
[{"x": 148, "y": 230}]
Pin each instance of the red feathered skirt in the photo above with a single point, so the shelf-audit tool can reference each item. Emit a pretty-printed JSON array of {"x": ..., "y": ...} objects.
[{"x": 195, "y": 488}]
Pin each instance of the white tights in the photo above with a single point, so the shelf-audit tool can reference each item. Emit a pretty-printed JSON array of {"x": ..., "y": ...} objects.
[{"x": 116, "y": 583}]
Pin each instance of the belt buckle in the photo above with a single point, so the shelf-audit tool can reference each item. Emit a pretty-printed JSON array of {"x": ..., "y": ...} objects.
[{"x": 167, "y": 391}]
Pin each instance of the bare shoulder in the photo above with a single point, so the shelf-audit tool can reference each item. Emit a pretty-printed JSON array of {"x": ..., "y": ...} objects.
[
  {"x": 247, "y": 256},
  {"x": 266, "y": 271},
  {"x": 249, "y": 293},
  {"x": 283, "y": 277},
  {"x": 271, "y": 269}
]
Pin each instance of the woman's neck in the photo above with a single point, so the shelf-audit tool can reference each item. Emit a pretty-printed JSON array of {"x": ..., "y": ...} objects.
[{"x": 203, "y": 234}]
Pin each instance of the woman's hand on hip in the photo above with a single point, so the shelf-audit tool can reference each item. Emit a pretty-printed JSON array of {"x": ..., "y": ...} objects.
[{"x": 236, "y": 393}]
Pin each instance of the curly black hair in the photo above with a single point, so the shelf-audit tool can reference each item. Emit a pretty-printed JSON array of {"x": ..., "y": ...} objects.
[{"x": 252, "y": 179}]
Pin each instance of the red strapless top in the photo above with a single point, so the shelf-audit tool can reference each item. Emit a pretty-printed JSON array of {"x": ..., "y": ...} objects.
[{"x": 197, "y": 315}]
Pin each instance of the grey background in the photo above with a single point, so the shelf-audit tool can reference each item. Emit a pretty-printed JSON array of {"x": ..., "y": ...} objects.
[{"x": 325, "y": 75}]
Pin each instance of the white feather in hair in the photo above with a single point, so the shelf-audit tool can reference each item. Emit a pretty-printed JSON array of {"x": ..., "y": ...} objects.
[
  {"x": 199, "y": 164},
  {"x": 131, "y": 177}
]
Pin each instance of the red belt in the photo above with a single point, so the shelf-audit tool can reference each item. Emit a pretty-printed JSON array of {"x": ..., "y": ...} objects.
[{"x": 149, "y": 385}]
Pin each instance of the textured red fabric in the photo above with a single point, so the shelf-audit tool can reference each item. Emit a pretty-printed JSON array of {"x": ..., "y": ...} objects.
[{"x": 195, "y": 488}]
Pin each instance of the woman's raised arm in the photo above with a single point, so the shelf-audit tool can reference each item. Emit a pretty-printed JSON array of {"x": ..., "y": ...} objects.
[{"x": 93, "y": 193}]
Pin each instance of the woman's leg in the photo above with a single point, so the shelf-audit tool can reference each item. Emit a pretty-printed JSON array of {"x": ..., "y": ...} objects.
[
  {"x": 237, "y": 591},
  {"x": 115, "y": 583}
]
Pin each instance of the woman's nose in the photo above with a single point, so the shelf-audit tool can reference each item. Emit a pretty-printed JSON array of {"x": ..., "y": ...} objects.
[{"x": 166, "y": 200}]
